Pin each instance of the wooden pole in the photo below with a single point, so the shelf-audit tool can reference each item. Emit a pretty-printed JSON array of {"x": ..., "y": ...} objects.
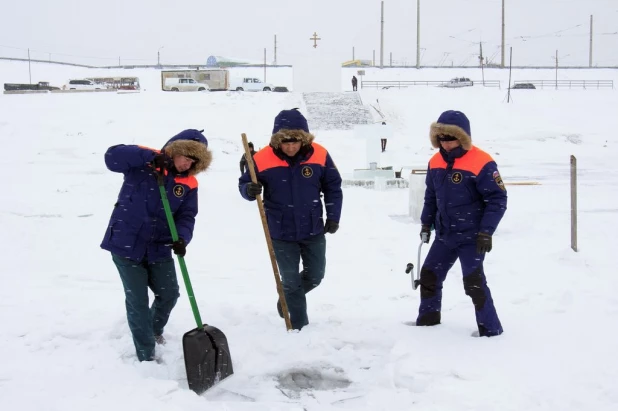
[
  {"x": 269, "y": 241},
  {"x": 574, "y": 203}
]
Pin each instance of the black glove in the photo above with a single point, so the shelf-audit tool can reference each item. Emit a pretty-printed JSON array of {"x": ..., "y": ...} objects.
[
  {"x": 483, "y": 243},
  {"x": 161, "y": 161},
  {"x": 179, "y": 247},
  {"x": 331, "y": 227},
  {"x": 426, "y": 229},
  {"x": 253, "y": 189}
]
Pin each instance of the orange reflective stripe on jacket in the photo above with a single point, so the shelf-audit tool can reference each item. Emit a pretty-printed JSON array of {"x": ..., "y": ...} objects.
[
  {"x": 266, "y": 158},
  {"x": 189, "y": 181},
  {"x": 473, "y": 161},
  {"x": 150, "y": 148},
  {"x": 318, "y": 156}
]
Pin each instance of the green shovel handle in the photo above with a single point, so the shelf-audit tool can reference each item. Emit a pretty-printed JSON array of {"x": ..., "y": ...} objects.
[{"x": 181, "y": 260}]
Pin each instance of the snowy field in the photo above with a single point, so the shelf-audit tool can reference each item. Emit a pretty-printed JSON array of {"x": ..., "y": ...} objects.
[{"x": 65, "y": 344}]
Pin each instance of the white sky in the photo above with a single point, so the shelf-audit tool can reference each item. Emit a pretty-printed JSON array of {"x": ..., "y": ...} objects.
[{"x": 99, "y": 33}]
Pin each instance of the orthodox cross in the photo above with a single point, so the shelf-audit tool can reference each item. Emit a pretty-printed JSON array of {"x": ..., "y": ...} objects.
[{"x": 315, "y": 39}]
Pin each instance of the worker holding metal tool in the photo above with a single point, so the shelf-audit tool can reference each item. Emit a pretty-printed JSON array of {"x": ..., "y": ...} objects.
[{"x": 465, "y": 200}]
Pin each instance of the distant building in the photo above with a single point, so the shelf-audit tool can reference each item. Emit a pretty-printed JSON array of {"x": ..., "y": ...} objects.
[
  {"x": 221, "y": 61},
  {"x": 212, "y": 62}
]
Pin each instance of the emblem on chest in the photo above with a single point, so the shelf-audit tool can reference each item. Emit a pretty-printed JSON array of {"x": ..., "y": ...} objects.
[
  {"x": 456, "y": 178},
  {"x": 179, "y": 190},
  {"x": 307, "y": 171}
]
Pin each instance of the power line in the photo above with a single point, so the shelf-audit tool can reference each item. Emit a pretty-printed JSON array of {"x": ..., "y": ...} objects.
[
  {"x": 552, "y": 34},
  {"x": 72, "y": 55}
]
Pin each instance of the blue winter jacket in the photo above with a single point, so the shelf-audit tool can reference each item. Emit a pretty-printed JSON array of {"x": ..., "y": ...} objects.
[
  {"x": 292, "y": 191},
  {"x": 138, "y": 228},
  {"x": 465, "y": 195}
]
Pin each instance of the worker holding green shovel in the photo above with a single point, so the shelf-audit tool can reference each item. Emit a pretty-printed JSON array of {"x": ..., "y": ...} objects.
[{"x": 138, "y": 234}]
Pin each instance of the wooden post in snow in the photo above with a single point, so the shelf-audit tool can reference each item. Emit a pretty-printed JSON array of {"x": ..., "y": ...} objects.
[{"x": 574, "y": 203}]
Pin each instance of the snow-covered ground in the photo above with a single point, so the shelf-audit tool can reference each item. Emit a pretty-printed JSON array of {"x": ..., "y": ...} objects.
[{"x": 65, "y": 344}]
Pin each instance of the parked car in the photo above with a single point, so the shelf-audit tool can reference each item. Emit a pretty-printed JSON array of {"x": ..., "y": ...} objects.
[
  {"x": 82, "y": 85},
  {"x": 250, "y": 84},
  {"x": 458, "y": 82},
  {"x": 184, "y": 84},
  {"x": 41, "y": 85},
  {"x": 524, "y": 85},
  {"x": 217, "y": 79}
]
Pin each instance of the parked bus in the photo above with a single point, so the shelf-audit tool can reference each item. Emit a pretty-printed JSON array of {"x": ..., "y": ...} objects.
[{"x": 117, "y": 83}]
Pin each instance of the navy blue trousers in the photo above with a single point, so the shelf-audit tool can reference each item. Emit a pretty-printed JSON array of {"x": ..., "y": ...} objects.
[
  {"x": 433, "y": 273},
  {"x": 296, "y": 284},
  {"x": 145, "y": 322}
]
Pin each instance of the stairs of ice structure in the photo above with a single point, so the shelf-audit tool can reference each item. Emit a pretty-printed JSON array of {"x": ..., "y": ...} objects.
[{"x": 335, "y": 111}]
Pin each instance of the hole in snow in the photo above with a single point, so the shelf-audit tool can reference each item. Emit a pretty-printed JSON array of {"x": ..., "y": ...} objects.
[{"x": 313, "y": 379}]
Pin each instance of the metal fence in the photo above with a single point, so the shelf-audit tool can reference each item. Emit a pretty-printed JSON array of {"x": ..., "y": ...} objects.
[
  {"x": 570, "y": 84},
  {"x": 386, "y": 84}
]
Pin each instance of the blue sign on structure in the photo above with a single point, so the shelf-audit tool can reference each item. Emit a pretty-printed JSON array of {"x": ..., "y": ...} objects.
[{"x": 211, "y": 62}]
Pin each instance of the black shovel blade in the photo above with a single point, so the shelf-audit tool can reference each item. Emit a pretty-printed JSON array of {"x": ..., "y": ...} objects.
[{"x": 207, "y": 357}]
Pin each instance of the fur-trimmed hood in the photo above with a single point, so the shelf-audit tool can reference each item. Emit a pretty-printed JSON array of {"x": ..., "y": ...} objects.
[
  {"x": 451, "y": 123},
  {"x": 190, "y": 143},
  {"x": 300, "y": 135}
]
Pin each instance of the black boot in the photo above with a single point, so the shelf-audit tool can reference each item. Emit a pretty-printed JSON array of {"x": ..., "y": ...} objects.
[
  {"x": 484, "y": 332},
  {"x": 429, "y": 319}
]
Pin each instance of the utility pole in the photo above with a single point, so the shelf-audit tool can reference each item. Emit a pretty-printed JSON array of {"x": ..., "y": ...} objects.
[
  {"x": 159, "y": 56},
  {"x": 482, "y": 65},
  {"x": 382, "y": 36},
  {"x": 503, "y": 34},
  {"x": 418, "y": 33},
  {"x": 373, "y": 62},
  {"x": 264, "y": 64},
  {"x": 391, "y": 59},
  {"x": 353, "y": 53},
  {"x": 119, "y": 62},
  {"x": 590, "y": 58},
  {"x": 275, "y": 60},
  {"x": 29, "y": 71},
  {"x": 556, "y": 69}
]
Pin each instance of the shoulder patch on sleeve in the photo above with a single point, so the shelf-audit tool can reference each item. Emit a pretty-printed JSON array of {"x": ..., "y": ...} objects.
[{"x": 498, "y": 180}]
